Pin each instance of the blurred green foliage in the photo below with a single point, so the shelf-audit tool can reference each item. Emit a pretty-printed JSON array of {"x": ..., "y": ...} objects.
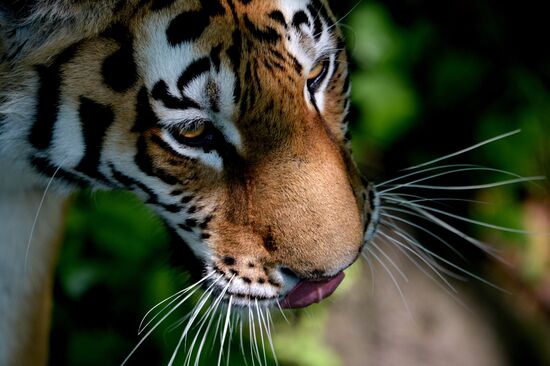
[{"x": 428, "y": 79}]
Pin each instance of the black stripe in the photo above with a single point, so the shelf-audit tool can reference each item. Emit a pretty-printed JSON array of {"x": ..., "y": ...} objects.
[
  {"x": 129, "y": 183},
  {"x": 144, "y": 162},
  {"x": 161, "y": 4},
  {"x": 273, "y": 52},
  {"x": 233, "y": 11},
  {"x": 160, "y": 92},
  {"x": 268, "y": 35},
  {"x": 194, "y": 70},
  {"x": 95, "y": 119},
  {"x": 215, "y": 57},
  {"x": 44, "y": 166},
  {"x": 49, "y": 95},
  {"x": 277, "y": 16},
  {"x": 300, "y": 18},
  {"x": 119, "y": 69},
  {"x": 187, "y": 27},
  {"x": 173, "y": 208},
  {"x": 317, "y": 24},
  {"x": 167, "y": 148},
  {"x": 234, "y": 53},
  {"x": 190, "y": 25},
  {"x": 213, "y": 7},
  {"x": 347, "y": 83},
  {"x": 296, "y": 64},
  {"x": 323, "y": 13},
  {"x": 145, "y": 117}
]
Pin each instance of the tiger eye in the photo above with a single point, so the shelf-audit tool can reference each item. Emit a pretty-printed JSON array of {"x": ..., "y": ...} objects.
[
  {"x": 316, "y": 71},
  {"x": 194, "y": 133}
]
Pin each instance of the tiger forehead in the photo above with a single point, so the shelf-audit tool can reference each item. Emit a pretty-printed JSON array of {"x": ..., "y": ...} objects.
[{"x": 212, "y": 23}]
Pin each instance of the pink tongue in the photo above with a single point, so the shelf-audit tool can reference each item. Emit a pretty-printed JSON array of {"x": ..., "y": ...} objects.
[{"x": 308, "y": 292}]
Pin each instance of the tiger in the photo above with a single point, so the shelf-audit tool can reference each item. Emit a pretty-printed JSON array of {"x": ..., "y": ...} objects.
[{"x": 227, "y": 117}]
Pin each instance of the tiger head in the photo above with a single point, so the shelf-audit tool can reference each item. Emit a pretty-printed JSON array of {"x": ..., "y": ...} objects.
[{"x": 228, "y": 117}]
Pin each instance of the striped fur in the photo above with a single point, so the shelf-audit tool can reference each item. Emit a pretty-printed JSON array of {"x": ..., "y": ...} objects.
[{"x": 102, "y": 96}]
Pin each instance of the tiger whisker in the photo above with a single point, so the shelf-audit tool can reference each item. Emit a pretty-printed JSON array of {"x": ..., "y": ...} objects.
[
  {"x": 425, "y": 170},
  {"x": 259, "y": 314},
  {"x": 445, "y": 286},
  {"x": 419, "y": 227},
  {"x": 161, "y": 321},
  {"x": 196, "y": 312},
  {"x": 438, "y": 221},
  {"x": 460, "y": 152},
  {"x": 393, "y": 279},
  {"x": 282, "y": 312},
  {"x": 255, "y": 336},
  {"x": 174, "y": 298},
  {"x": 447, "y": 262},
  {"x": 461, "y": 218},
  {"x": 209, "y": 315},
  {"x": 38, "y": 210},
  {"x": 211, "y": 310},
  {"x": 392, "y": 263},
  {"x": 413, "y": 184},
  {"x": 226, "y": 325},
  {"x": 476, "y": 186},
  {"x": 241, "y": 321},
  {"x": 422, "y": 250},
  {"x": 456, "y": 167},
  {"x": 337, "y": 22},
  {"x": 426, "y": 259},
  {"x": 441, "y": 200},
  {"x": 268, "y": 325},
  {"x": 371, "y": 269}
]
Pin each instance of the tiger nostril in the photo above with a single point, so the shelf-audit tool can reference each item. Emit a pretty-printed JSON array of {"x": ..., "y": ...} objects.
[{"x": 229, "y": 261}]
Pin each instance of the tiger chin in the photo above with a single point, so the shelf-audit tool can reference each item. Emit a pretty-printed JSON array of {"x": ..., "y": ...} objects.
[{"x": 227, "y": 117}]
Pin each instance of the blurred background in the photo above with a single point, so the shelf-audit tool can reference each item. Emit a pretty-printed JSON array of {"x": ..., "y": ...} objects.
[{"x": 429, "y": 78}]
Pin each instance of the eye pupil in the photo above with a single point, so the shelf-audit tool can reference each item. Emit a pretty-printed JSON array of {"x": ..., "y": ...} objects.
[{"x": 317, "y": 75}]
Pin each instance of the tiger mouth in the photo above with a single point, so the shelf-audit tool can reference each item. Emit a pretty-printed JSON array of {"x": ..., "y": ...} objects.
[
  {"x": 303, "y": 294},
  {"x": 306, "y": 293}
]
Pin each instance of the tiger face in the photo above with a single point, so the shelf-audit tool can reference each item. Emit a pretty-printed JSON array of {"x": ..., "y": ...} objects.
[{"x": 228, "y": 118}]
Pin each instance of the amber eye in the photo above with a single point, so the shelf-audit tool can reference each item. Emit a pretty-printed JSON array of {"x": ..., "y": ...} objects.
[
  {"x": 196, "y": 134},
  {"x": 317, "y": 75}
]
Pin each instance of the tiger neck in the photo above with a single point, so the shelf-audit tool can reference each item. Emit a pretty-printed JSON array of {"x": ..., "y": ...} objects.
[{"x": 26, "y": 266}]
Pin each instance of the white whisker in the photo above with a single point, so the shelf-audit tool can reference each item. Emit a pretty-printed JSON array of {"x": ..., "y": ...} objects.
[
  {"x": 268, "y": 324},
  {"x": 388, "y": 258},
  {"x": 174, "y": 298},
  {"x": 336, "y": 23},
  {"x": 436, "y": 220},
  {"x": 473, "y": 147},
  {"x": 259, "y": 314},
  {"x": 419, "y": 227},
  {"x": 449, "y": 263},
  {"x": 475, "y": 186},
  {"x": 445, "y": 286},
  {"x": 38, "y": 210},
  {"x": 393, "y": 279},
  {"x": 419, "y": 254},
  {"x": 190, "y": 323},
  {"x": 461, "y": 218},
  {"x": 226, "y": 325}
]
